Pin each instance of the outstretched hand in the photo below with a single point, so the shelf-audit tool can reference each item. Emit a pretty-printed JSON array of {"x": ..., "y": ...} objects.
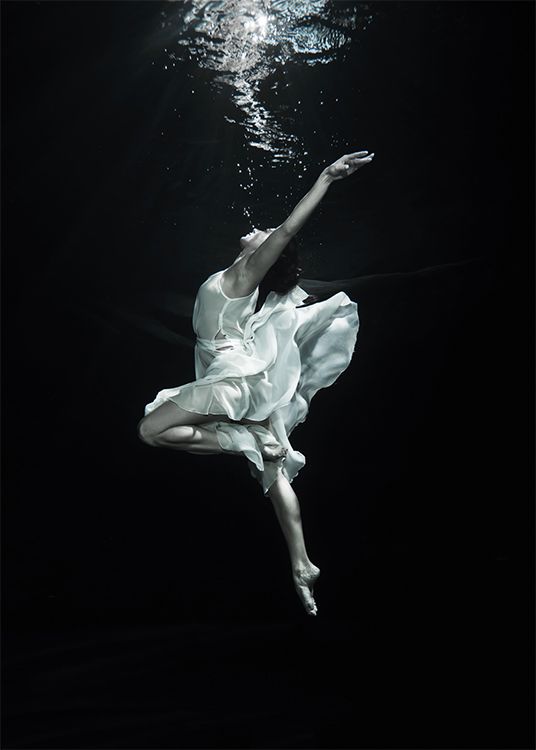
[{"x": 348, "y": 164}]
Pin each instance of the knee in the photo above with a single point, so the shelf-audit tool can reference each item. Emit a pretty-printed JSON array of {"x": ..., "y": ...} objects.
[{"x": 145, "y": 434}]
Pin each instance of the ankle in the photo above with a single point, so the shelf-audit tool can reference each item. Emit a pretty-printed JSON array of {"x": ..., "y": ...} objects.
[{"x": 303, "y": 566}]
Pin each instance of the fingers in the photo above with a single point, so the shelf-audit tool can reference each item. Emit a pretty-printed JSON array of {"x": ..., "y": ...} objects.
[
  {"x": 361, "y": 155},
  {"x": 356, "y": 160},
  {"x": 347, "y": 165}
]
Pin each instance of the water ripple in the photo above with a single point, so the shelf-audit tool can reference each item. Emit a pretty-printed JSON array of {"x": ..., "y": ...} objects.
[{"x": 246, "y": 42}]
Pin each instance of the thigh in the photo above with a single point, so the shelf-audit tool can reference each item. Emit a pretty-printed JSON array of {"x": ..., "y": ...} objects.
[{"x": 169, "y": 414}]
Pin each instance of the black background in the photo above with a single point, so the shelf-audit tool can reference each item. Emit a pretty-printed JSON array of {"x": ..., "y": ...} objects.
[{"x": 147, "y": 593}]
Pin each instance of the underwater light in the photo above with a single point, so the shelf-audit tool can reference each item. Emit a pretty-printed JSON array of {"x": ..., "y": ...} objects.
[{"x": 247, "y": 42}]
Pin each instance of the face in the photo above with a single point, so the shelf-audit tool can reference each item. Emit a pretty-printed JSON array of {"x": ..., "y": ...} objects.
[{"x": 255, "y": 238}]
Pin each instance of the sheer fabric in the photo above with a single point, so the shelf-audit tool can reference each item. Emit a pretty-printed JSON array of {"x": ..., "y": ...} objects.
[{"x": 268, "y": 363}]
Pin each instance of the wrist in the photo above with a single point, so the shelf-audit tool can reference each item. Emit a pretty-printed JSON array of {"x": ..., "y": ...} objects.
[{"x": 325, "y": 177}]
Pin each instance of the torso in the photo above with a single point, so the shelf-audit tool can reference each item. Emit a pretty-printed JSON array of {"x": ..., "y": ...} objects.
[{"x": 217, "y": 314}]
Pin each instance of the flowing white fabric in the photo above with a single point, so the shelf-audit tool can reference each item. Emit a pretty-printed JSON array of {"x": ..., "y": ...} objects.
[{"x": 269, "y": 363}]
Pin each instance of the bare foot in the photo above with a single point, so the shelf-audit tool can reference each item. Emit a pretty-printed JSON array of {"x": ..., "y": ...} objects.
[
  {"x": 269, "y": 447},
  {"x": 304, "y": 583},
  {"x": 273, "y": 451}
]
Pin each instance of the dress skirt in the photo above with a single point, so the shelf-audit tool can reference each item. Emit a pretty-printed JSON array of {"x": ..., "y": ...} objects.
[{"x": 286, "y": 354}]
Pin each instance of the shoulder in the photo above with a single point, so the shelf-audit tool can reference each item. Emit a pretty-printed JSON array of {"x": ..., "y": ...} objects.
[{"x": 236, "y": 281}]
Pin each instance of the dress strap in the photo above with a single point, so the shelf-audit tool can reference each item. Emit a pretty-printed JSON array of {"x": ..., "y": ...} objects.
[{"x": 232, "y": 299}]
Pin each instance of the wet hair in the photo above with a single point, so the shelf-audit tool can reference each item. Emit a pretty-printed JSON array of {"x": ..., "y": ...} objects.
[
  {"x": 286, "y": 271},
  {"x": 284, "y": 275}
]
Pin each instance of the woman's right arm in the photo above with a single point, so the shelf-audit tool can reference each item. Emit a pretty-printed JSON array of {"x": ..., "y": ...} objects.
[{"x": 259, "y": 263}]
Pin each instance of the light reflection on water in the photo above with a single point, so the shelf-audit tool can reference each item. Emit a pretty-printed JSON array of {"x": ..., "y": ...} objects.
[{"x": 246, "y": 42}]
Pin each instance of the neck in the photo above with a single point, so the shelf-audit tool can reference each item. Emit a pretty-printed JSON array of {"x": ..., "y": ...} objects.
[{"x": 244, "y": 253}]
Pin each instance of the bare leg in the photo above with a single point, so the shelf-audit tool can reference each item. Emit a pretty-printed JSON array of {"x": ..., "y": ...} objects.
[
  {"x": 168, "y": 415},
  {"x": 287, "y": 510},
  {"x": 170, "y": 426},
  {"x": 190, "y": 438}
]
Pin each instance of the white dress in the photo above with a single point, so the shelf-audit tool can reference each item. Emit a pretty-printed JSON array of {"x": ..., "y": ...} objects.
[{"x": 268, "y": 363}]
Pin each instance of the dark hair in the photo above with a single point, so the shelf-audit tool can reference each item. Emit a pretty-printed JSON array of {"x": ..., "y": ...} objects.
[{"x": 284, "y": 275}]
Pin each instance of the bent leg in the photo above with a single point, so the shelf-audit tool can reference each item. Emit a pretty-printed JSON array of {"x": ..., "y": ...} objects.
[
  {"x": 169, "y": 415},
  {"x": 190, "y": 438},
  {"x": 170, "y": 426}
]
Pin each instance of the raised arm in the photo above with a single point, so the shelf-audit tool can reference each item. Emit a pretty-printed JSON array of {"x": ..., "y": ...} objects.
[{"x": 264, "y": 257}]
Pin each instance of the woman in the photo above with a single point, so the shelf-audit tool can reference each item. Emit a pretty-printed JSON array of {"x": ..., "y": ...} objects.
[{"x": 260, "y": 356}]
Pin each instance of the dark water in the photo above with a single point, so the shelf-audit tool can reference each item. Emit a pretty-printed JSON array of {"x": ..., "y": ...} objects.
[{"x": 147, "y": 596}]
